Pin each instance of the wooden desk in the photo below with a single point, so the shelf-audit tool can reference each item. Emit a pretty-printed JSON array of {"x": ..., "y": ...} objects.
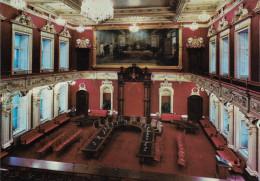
[
  {"x": 138, "y": 54},
  {"x": 85, "y": 119},
  {"x": 223, "y": 170},
  {"x": 190, "y": 128},
  {"x": 96, "y": 144}
]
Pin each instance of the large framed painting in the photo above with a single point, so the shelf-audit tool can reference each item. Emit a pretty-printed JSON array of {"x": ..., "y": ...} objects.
[{"x": 152, "y": 47}]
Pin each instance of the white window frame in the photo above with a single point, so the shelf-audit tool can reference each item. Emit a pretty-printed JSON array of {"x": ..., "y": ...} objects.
[
  {"x": 237, "y": 134},
  {"x": 165, "y": 90},
  {"x": 49, "y": 36},
  {"x": 47, "y": 105},
  {"x": 223, "y": 35},
  {"x": 222, "y": 121},
  {"x": 242, "y": 26},
  {"x": 213, "y": 39},
  {"x": 24, "y": 117},
  {"x": 22, "y": 30},
  {"x": 107, "y": 87},
  {"x": 63, "y": 40},
  {"x": 65, "y": 86}
]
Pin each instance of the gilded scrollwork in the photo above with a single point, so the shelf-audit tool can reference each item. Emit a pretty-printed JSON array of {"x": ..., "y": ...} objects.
[
  {"x": 223, "y": 24},
  {"x": 65, "y": 32},
  {"x": 195, "y": 42},
  {"x": 212, "y": 31},
  {"x": 49, "y": 28},
  {"x": 241, "y": 14},
  {"x": 24, "y": 20}
]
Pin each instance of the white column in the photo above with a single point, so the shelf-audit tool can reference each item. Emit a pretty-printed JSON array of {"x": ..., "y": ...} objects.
[
  {"x": 6, "y": 125},
  {"x": 217, "y": 121},
  {"x": 252, "y": 148},
  {"x": 258, "y": 150},
  {"x": 230, "y": 114},
  {"x": 56, "y": 101},
  {"x": 36, "y": 108}
]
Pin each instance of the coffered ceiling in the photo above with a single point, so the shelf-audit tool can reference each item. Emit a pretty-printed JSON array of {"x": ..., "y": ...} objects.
[{"x": 133, "y": 11}]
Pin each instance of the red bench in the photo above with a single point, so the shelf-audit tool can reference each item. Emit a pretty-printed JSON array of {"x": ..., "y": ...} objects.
[
  {"x": 210, "y": 130},
  {"x": 30, "y": 136},
  {"x": 205, "y": 122},
  {"x": 218, "y": 141},
  {"x": 230, "y": 156},
  {"x": 62, "y": 118},
  {"x": 40, "y": 152},
  {"x": 98, "y": 112},
  {"x": 48, "y": 126},
  {"x": 76, "y": 136},
  {"x": 169, "y": 117},
  {"x": 181, "y": 151},
  {"x": 3, "y": 154}
]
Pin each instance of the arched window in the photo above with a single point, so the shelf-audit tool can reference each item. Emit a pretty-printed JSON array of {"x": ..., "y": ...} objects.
[
  {"x": 243, "y": 134},
  {"x": 45, "y": 105},
  {"x": 19, "y": 114},
  {"x": 63, "y": 99},
  {"x": 212, "y": 109},
  {"x": 15, "y": 112},
  {"x": 225, "y": 121}
]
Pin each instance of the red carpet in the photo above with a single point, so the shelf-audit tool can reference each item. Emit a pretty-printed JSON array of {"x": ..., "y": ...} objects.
[{"x": 122, "y": 149}]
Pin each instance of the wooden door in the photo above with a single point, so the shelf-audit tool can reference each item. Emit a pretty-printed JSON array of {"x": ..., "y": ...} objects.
[
  {"x": 195, "y": 108},
  {"x": 82, "y": 99},
  {"x": 82, "y": 58}
]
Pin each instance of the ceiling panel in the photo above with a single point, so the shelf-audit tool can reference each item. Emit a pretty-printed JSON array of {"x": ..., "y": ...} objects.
[{"x": 127, "y": 11}]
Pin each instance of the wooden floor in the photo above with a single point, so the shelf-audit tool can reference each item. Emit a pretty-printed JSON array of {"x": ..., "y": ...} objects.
[{"x": 121, "y": 153}]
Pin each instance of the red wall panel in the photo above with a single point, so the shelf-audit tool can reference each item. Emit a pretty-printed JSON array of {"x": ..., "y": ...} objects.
[{"x": 134, "y": 95}]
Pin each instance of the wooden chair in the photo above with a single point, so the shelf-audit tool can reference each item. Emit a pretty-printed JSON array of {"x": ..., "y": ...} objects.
[{"x": 102, "y": 121}]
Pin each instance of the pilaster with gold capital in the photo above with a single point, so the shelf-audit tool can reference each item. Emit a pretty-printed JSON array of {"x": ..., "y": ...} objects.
[{"x": 252, "y": 142}]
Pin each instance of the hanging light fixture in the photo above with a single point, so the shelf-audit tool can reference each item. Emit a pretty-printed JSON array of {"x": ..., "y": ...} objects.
[
  {"x": 80, "y": 29},
  {"x": 18, "y": 4},
  {"x": 97, "y": 10},
  {"x": 194, "y": 26},
  {"x": 204, "y": 16},
  {"x": 60, "y": 21},
  {"x": 134, "y": 28}
]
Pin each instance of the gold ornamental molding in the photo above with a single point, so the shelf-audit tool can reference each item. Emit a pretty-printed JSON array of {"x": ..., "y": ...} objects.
[
  {"x": 257, "y": 8},
  {"x": 24, "y": 20},
  {"x": 246, "y": 100},
  {"x": 2, "y": 18},
  {"x": 49, "y": 28}
]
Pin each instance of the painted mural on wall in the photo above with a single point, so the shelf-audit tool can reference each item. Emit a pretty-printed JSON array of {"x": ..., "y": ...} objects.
[{"x": 158, "y": 47}]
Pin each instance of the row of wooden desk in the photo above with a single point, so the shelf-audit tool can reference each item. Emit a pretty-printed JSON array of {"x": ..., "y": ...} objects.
[
  {"x": 146, "y": 149},
  {"x": 34, "y": 165}
]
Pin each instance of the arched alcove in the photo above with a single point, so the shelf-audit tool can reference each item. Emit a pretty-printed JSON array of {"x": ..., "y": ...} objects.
[
  {"x": 82, "y": 100},
  {"x": 166, "y": 98},
  {"x": 106, "y": 95}
]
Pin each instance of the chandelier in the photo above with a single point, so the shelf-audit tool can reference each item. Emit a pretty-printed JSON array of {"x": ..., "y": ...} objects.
[
  {"x": 97, "y": 10},
  {"x": 194, "y": 26},
  {"x": 60, "y": 21},
  {"x": 134, "y": 28},
  {"x": 204, "y": 16},
  {"x": 18, "y": 4},
  {"x": 80, "y": 28}
]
